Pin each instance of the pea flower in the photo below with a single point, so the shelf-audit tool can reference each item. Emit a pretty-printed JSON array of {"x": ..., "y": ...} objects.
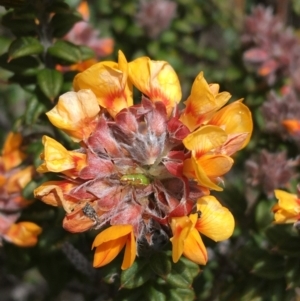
[
  {"x": 143, "y": 170},
  {"x": 13, "y": 179},
  {"x": 288, "y": 208}
]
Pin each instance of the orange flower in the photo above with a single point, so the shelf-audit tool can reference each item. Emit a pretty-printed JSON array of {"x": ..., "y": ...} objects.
[
  {"x": 204, "y": 165},
  {"x": 81, "y": 120},
  {"x": 111, "y": 241},
  {"x": 23, "y": 234},
  {"x": 212, "y": 219},
  {"x": 288, "y": 208},
  {"x": 108, "y": 80},
  {"x": 157, "y": 80}
]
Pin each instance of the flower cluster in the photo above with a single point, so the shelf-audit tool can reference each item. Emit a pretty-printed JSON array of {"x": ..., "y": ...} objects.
[
  {"x": 143, "y": 171},
  {"x": 12, "y": 180}
]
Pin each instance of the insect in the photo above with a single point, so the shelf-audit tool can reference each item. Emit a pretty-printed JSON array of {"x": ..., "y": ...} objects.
[
  {"x": 135, "y": 179},
  {"x": 90, "y": 212}
]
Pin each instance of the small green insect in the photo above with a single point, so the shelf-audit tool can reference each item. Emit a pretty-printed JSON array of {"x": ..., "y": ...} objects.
[{"x": 135, "y": 179}]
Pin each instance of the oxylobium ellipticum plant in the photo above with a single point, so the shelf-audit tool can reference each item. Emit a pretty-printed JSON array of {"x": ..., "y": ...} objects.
[
  {"x": 129, "y": 166},
  {"x": 142, "y": 173}
]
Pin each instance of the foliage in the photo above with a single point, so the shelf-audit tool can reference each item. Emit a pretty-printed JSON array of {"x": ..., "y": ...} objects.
[{"x": 261, "y": 261}]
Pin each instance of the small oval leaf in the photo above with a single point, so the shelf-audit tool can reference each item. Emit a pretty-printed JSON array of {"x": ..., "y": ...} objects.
[
  {"x": 50, "y": 82},
  {"x": 24, "y": 46},
  {"x": 65, "y": 51}
]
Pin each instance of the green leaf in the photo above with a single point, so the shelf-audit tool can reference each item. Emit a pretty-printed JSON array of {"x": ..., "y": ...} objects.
[
  {"x": 161, "y": 264},
  {"x": 269, "y": 267},
  {"x": 136, "y": 275},
  {"x": 183, "y": 273},
  {"x": 86, "y": 52},
  {"x": 182, "y": 294},
  {"x": 24, "y": 46},
  {"x": 33, "y": 110},
  {"x": 65, "y": 51},
  {"x": 21, "y": 24},
  {"x": 22, "y": 66},
  {"x": 50, "y": 82},
  {"x": 154, "y": 293},
  {"x": 61, "y": 23},
  {"x": 263, "y": 215},
  {"x": 27, "y": 192}
]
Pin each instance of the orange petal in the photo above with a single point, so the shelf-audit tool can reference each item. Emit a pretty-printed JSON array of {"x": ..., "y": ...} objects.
[
  {"x": 194, "y": 248},
  {"x": 216, "y": 221},
  {"x": 18, "y": 180},
  {"x": 12, "y": 155},
  {"x": 157, "y": 80},
  {"x": 108, "y": 81},
  {"x": 130, "y": 252},
  {"x": 292, "y": 125},
  {"x": 234, "y": 118},
  {"x": 111, "y": 241},
  {"x": 181, "y": 227},
  {"x": 190, "y": 166},
  {"x": 76, "y": 114},
  {"x": 52, "y": 193},
  {"x": 23, "y": 234},
  {"x": 202, "y": 102}
]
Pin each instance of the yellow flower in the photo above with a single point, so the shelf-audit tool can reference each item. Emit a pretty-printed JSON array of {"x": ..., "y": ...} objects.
[
  {"x": 211, "y": 219},
  {"x": 111, "y": 241},
  {"x": 23, "y": 234},
  {"x": 108, "y": 81},
  {"x": 12, "y": 155},
  {"x": 203, "y": 101},
  {"x": 288, "y": 208},
  {"x": 157, "y": 80},
  {"x": 76, "y": 114},
  {"x": 58, "y": 159}
]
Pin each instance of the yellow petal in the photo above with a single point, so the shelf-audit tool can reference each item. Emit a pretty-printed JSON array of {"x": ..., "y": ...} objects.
[
  {"x": 23, "y": 234},
  {"x": 202, "y": 102},
  {"x": 234, "y": 118},
  {"x": 215, "y": 165},
  {"x": 108, "y": 81},
  {"x": 76, "y": 114},
  {"x": 205, "y": 139},
  {"x": 216, "y": 221},
  {"x": 58, "y": 159},
  {"x": 157, "y": 80},
  {"x": 287, "y": 201}
]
